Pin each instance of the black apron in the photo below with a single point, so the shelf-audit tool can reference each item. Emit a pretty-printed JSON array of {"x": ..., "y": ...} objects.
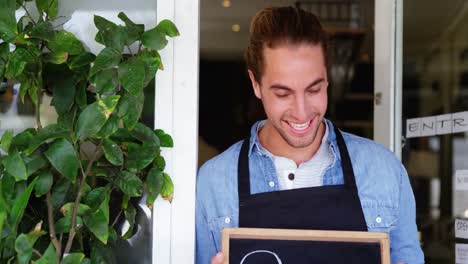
[{"x": 331, "y": 207}]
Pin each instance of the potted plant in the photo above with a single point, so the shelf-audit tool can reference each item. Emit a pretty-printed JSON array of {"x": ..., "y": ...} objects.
[{"x": 59, "y": 182}]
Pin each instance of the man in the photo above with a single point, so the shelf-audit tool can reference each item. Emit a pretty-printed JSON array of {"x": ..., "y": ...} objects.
[{"x": 297, "y": 170}]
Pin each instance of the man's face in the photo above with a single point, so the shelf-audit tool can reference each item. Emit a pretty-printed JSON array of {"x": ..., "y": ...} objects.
[{"x": 293, "y": 90}]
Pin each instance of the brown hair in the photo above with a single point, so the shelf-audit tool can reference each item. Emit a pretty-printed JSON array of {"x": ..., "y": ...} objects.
[{"x": 274, "y": 26}]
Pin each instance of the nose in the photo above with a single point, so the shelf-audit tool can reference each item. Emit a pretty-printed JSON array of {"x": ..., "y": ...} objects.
[{"x": 300, "y": 108}]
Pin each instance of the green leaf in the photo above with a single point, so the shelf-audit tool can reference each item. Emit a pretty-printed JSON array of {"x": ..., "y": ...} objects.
[
  {"x": 106, "y": 81},
  {"x": 64, "y": 94},
  {"x": 50, "y": 7},
  {"x": 168, "y": 28},
  {"x": 49, "y": 132},
  {"x": 3, "y": 216},
  {"x": 139, "y": 157},
  {"x": 145, "y": 134},
  {"x": 167, "y": 190},
  {"x": 7, "y": 20},
  {"x": 43, "y": 30},
  {"x": 130, "y": 214},
  {"x": 110, "y": 127},
  {"x": 154, "y": 39},
  {"x": 160, "y": 162},
  {"x": 15, "y": 166},
  {"x": 66, "y": 42},
  {"x": 73, "y": 258},
  {"x": 81, "y": 60},
  {"x": 106, "y": 59},
  {"x": 132, "y": 76},
  {"x": 112, "y": 152},
  {"x": 81, "y": 98},
  {"x": 102, "y": 254},
  {"x": 58, "y": 57},
  {"x": 63, "y": 225},
  {"x": 165, "y": 139},
  {"x": 130, "y": 109},
  {"x": 154, "y": 182},
  {"x": 152, "y": 61},
  {"x": 49, "y": 256},
  {"x": 34, "y": 163},
  {"x": 60, "y": 191},
  {"x": 7, "y": 137},
  {"x": 67, "y": 209},
  {"x": 22, "y": 140},
  {"x": 98, "y": 224},
  {"x": 130, "y": 184},
  {"x": 32, "y": 91},
  {"x": 110, "y": 34},
  {"x": 135, "y": 31},
  {"x": 62, "y": 156},
  {"x": 7, "y": 191},
  {"x": 20, "y": 204},
  {"x": 24, "y": 244},
  {"x": 17, "y": 62},
  {"x": 95, "y": 115},
  {"x": 4, "y": 54},
  {"x": 96, "y": 197},
  {"x": 43, "y": 184}
]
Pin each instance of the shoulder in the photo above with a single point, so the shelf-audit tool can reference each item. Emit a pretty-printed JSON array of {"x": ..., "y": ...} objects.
[
  {"x": 374, "y": 165},
  {"x": 220, "y": 168},
  {"x": 364, "y": 150}
]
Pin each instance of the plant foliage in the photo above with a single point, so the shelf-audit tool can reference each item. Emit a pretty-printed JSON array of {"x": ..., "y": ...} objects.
[{"x": 58, "y": 183}]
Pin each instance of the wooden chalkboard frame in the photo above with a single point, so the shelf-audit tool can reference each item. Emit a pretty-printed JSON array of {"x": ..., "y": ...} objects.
[{"x": 306, "y": 235}]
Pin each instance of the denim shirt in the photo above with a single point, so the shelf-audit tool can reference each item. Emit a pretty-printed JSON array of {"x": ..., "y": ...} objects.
[{"x": 384, "y": 191}]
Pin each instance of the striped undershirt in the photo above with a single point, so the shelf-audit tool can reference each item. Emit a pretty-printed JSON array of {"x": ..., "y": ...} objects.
[{"x": 309, "y": 173}]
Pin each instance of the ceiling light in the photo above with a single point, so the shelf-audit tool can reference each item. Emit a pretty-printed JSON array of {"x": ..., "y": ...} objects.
[
  {"x": 235, "y": 27},
  {"x": 226, "y": 3}
]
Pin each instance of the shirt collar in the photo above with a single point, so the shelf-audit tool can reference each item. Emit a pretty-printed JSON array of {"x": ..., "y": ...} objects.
[{"x": 255, "y": 141}]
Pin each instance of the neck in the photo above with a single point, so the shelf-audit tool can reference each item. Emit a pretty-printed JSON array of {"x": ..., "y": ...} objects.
[{"x": 274, "y": 143}]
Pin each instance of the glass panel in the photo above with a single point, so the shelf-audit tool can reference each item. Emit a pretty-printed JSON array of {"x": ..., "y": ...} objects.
[{"x": 435, "y": 96}]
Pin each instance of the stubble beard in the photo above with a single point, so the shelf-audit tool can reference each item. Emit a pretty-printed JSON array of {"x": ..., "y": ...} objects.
[{"x": 300, "y": 142}]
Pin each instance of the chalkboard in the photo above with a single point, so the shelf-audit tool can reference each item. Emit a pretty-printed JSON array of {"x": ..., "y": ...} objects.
[{"x": 284, "y": 246}]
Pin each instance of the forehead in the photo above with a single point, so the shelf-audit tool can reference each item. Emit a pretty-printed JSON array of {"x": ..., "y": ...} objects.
[{"x": 294, "y": 61}]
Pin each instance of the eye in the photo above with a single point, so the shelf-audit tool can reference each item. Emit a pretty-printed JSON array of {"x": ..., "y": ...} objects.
[
  {"x": 314, "y": 90},
  {"x": 281, "y": 95}
]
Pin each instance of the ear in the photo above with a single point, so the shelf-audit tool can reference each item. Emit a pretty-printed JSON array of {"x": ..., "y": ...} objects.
[{"x": 255, "y": 85}]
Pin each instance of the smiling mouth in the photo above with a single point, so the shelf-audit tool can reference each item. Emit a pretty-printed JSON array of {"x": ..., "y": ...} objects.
[{"x": 299, "y": 127}]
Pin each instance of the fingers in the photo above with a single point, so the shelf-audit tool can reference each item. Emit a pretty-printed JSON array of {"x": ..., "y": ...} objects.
[{"x": 218, "y": 259}]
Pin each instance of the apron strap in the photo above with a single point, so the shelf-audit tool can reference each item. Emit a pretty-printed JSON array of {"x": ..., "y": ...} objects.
[
  {"x": 348, "y": 173},
  {"x": 243, "y": 175}
]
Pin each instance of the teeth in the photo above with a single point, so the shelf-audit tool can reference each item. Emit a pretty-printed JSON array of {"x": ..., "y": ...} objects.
[{"x": 300, "y": 126}]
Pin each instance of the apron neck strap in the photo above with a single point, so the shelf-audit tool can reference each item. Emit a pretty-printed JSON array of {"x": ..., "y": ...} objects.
[
  {"x": 243, "y": 175},
  {"x": 243, "y": 184},
  {"x": 346, "y": 165}
]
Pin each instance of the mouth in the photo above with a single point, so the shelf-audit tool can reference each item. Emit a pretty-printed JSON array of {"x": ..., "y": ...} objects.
[{"x": 300, "y": 128}]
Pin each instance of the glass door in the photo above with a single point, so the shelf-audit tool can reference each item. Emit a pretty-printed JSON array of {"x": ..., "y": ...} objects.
[{"x": 434, "y": 123}]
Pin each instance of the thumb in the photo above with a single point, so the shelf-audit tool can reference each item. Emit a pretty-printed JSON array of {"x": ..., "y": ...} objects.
[{"x": 218, "y": 259}]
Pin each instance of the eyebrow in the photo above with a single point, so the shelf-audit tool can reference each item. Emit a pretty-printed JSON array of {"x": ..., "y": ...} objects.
[{"x": 284, "y": 87}]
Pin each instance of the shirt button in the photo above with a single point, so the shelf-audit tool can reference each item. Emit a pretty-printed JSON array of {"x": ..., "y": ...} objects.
[
  {"x": 378, "y": 219},
  {"x": 272, "y": 184},
  {"x": 227, "y": 220},
  {"x": 291, "y": 176}
]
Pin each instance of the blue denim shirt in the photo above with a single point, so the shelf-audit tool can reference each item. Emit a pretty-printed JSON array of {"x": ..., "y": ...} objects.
[{"x": 384, "y": 191}]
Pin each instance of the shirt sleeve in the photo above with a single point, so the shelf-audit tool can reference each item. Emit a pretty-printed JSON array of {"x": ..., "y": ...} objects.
[
  {"x": 205, "y": 244},
  {"x": 404, "y": 241}
]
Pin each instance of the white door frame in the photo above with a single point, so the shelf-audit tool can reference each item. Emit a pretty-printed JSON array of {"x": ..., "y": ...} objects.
[
  {"x": 176, "y": 111},
  {"x": 388, "y": 73}
]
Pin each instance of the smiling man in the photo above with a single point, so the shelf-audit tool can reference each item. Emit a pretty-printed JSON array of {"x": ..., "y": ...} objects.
[{"x": 297, "y": 170}]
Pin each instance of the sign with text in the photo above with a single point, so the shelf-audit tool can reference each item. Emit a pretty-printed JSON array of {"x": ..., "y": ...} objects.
[
  {"x": 285, "y": 246},
  {"x": 437, "y": 125},
  {"x": 461, "y": 180},
  {"x": 461, "y": 253},
  {"x": 461, "y": 228}
]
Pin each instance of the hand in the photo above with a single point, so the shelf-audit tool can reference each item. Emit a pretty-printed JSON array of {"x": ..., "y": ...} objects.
[{"x": 218, "y": 259}]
